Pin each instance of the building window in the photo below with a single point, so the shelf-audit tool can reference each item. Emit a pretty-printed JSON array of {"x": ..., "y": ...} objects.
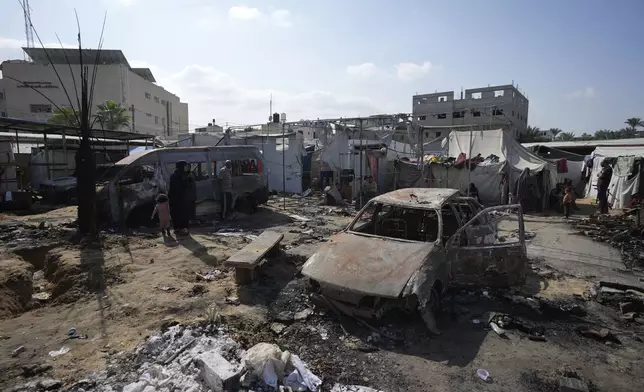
[
  {"x": 442, "y": 98},
  {"x": 477, "y": 95},
  {"x": 156, "y": 99},
  {"x": 460, "y": 114},
  {"x": 498, "y": 93},
  {"x": 426, "y": 134},
  {"x": 441, "y": 116},
  {"x": 315, "y": 135},
  {"x": 1, "y": 95},
  {"x": 148, "y": 95},
  {"x": 438, "y": 134},
  {"x": 3, "y": 114},
  {"x": 156, "y": 119},
  {"x": 163, "y": 102},
  {"x": 422, "y": 118},
  {"x": 513, "y": 113},
  {"x": 476, "y": 113},
  {"x": 40, "y": 108},
  {"x": 497, "y": 112}
]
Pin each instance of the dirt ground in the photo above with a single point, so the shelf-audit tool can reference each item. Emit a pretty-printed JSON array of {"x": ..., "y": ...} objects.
[{"x": 119, "y": 292}]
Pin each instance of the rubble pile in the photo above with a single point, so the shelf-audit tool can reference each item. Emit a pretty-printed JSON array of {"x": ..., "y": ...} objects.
[
  {"x": 620, "y": 231},
  {"x": 628, "y": 299},
  {"x": 195, "y": 359},
  {"x": 20, "y": 236}
]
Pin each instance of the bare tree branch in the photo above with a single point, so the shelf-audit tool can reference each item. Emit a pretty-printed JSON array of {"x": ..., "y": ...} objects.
[
  {"x": 52, "y": 65},
  {"x": 71, "y": 72}
]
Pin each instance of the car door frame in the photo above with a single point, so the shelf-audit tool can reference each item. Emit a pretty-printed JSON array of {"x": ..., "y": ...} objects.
[{"x": 490, "y": 265}]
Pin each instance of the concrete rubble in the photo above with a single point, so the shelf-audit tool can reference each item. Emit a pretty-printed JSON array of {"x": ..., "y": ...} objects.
[
  {"x": 619, "y": 231},
  {"x": 193, "y": 359}
]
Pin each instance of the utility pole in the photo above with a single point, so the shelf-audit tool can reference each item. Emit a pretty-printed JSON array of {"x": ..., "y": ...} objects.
[{"x": 133, "y": 124}]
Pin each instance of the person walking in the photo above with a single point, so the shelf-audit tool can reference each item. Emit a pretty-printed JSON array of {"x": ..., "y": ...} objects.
[
  {"x": 162, "y": 208},
  {"x": 602, "y": 186},
  {"x": 226, "y": 188},
  {"x": 177, "y": 194}
]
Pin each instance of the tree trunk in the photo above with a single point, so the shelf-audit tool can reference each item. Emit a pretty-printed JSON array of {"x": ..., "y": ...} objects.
[{"x": 86, "y": 171}]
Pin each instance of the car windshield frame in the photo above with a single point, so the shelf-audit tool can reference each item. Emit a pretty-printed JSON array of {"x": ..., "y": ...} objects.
[{"x": 356, "y": 222}]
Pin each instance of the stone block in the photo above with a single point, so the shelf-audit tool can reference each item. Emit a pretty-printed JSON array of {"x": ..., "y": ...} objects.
[
  {"x": 216, "y": 372},
  {"x": 568, "y": 384}
]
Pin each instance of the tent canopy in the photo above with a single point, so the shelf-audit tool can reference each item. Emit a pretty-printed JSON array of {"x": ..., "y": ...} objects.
[
  {"x": 613, "y": 152},
  {"x": 495, "y": 142}
]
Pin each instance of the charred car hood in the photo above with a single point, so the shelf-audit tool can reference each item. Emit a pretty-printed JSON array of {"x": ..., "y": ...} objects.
[{"x": 368, "y": 265}]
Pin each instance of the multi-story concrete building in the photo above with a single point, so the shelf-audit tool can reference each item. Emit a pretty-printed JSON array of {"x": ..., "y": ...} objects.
[
  {"x": 153, "y": 110},
  {"x": 488, "y": 107}
]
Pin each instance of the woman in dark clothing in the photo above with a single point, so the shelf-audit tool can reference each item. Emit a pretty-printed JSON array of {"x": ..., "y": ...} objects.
[{"x": 177, "y": 194}]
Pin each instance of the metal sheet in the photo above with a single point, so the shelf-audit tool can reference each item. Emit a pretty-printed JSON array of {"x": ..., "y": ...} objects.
[{"x": 366, "y": 264}]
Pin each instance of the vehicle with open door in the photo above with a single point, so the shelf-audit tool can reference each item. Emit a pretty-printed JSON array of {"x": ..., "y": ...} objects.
[{"x": 405, "y": 247}]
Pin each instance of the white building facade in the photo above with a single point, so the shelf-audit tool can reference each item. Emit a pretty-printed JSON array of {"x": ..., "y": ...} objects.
[
  {"x": 152, "y": 109},
  {"x": 489, "y": 107}
]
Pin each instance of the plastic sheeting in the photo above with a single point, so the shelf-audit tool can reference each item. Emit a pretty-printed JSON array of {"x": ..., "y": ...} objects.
[
  {"x": 621, "y": 190},
  {"x": 495, "y": 142},
  {"x": 613, "y": 152}
]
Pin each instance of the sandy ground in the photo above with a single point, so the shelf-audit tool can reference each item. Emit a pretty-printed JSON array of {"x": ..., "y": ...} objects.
[{"x": 118, "y": 294}]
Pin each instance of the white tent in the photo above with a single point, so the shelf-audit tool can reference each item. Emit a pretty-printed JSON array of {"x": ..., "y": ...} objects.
[
  {"x": 495, "y": 142},
  {"x": 513, "y": 159},
  {"x": 623, "y": 184}
]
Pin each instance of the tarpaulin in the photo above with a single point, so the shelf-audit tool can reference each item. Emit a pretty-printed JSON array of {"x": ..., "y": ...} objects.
[
  {"x": 613, "y": 152},
  {"x": 494, "y": 142}
]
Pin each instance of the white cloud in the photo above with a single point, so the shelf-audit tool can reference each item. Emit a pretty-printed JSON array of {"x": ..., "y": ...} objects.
[
  {"x": 11, "y": 43},
  {"x": 282, "y": 18},
  {"x": 364, "y": 70},
  {"x": 242, "y": 12},
  {"x": 587, "y": 92},
  {"x": 212, "y": 93},
  {"x": 412, "y": 71}
]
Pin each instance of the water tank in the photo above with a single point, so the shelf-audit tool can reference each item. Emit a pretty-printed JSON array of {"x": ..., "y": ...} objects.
[{"x": 276, "y": 118}]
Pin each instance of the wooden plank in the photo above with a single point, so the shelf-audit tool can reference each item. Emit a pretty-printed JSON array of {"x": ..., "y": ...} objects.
[{"x": 250, "y": 255}]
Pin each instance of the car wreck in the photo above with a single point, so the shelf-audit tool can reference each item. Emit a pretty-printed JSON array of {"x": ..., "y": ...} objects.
[
  {"x": 406, "y": 247},
  {"x": 126, "y": 191}
]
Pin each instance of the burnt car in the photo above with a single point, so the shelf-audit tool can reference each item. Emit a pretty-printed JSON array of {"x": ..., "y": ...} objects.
[{"x": 405, "y": 247}]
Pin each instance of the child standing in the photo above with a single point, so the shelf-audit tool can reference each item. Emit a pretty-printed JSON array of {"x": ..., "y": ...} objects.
[
  {"x": 567, "y": 200},
  {"x": 163, "y": 209}
]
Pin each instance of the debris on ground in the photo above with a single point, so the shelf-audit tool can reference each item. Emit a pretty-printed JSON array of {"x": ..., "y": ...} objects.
[
  {"x": 199, "y": 359},
  {"x": 620, "y": 231},
  {"x": 603, "y": 334}
]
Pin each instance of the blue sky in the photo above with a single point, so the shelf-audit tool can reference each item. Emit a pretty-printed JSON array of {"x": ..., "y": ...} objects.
[{"x": 579, "y": 62}]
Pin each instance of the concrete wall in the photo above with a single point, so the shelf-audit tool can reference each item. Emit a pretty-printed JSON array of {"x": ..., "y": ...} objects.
[
  {"x": 113, "y": 82},
  {"x": 475, "y": 107}
]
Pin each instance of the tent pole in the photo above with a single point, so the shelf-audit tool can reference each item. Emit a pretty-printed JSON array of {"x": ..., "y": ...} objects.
[{"x": 469, "y": 169}]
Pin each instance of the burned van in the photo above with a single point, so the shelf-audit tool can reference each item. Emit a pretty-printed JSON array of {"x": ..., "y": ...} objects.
[{"x": 127, "y": 190}]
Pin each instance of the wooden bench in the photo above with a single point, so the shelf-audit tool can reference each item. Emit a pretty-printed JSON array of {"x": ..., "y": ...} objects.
[{"x": 247, "y": 259}]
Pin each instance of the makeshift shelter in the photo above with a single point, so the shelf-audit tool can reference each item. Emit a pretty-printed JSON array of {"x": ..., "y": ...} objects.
[
  {"x": 627, "y": 169},
  {"x": 498, "y": 162}
]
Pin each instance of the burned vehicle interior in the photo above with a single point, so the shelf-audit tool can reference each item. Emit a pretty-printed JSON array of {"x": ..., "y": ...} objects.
[
  {"x": 418, "y": 224},
  {"x": 403, "y": 223}
]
